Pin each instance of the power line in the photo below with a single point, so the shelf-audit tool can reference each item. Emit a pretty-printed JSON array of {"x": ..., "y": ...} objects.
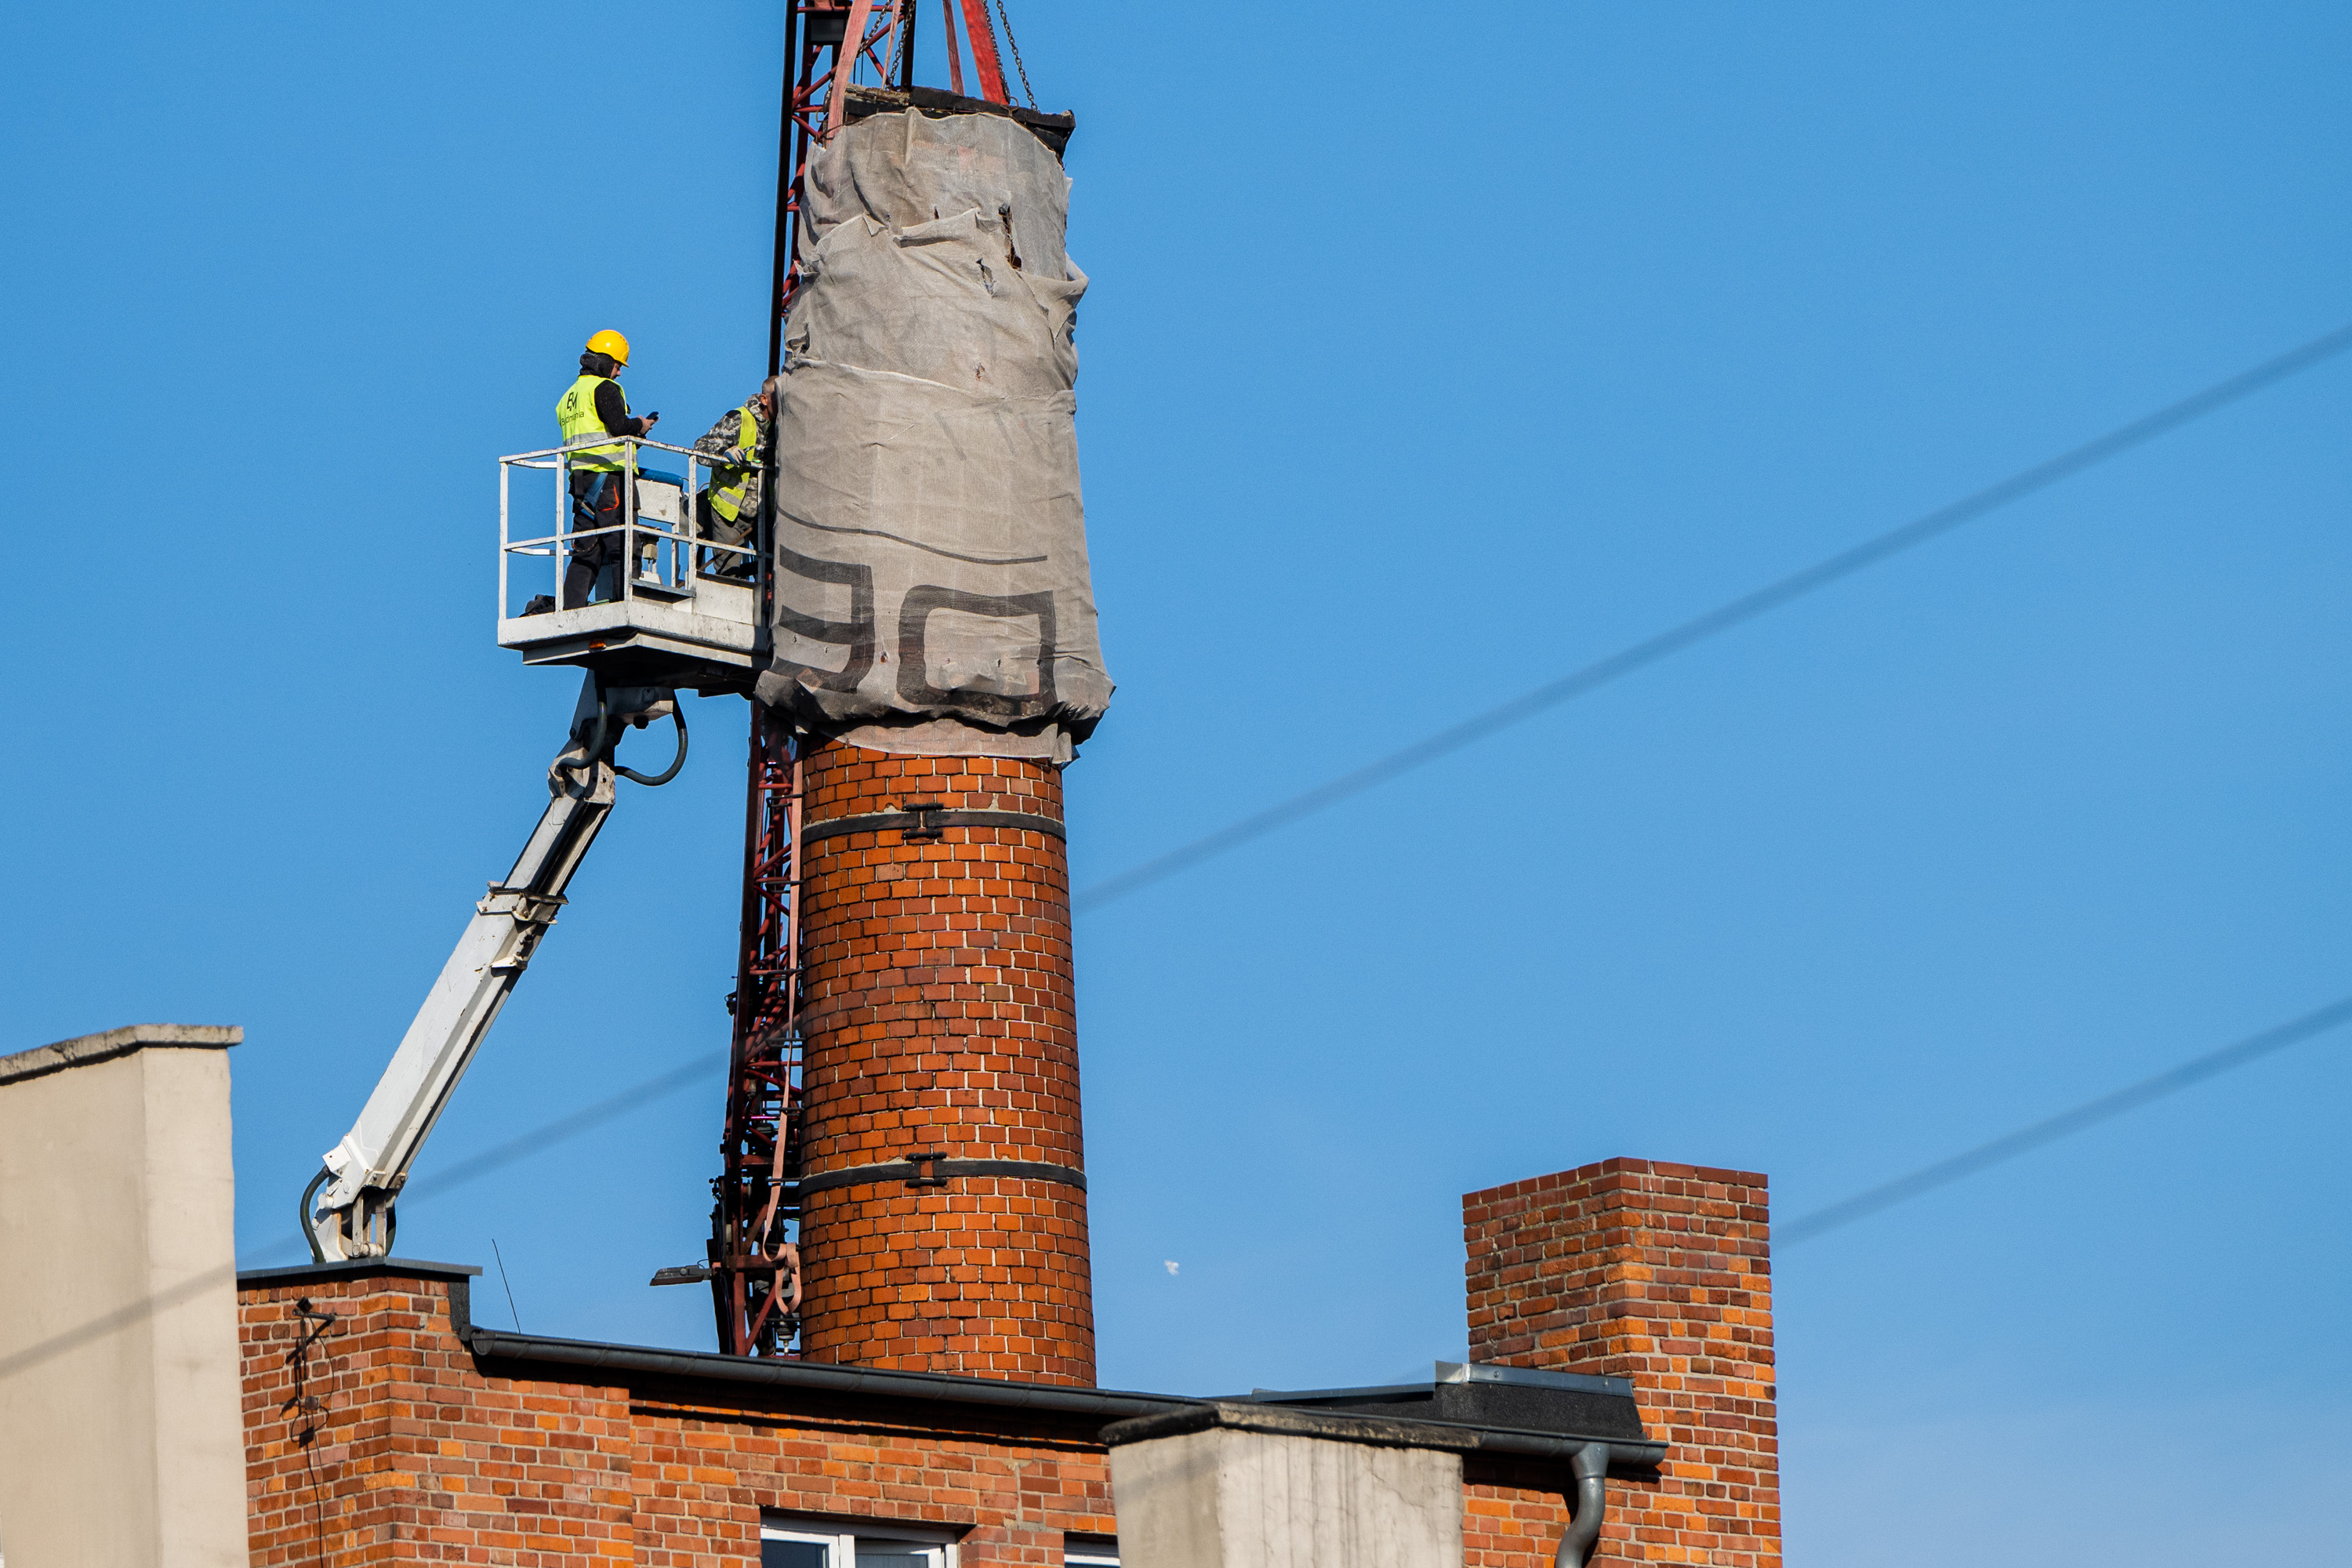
[
  {"x": 1795, "y": 1233},
  {"x": 1701, "y": 628},
  {"x": 612, "y": 1108},
  {"x": 521, "y": 1146},
  {"x": 1723, "y": 617},
  {"x": 2066, "y": 1124},
  {"x": 138, "y": 1311}
]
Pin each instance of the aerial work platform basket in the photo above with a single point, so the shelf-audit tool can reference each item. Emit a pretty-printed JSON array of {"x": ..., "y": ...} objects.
[{"x": 675, "y": 609}]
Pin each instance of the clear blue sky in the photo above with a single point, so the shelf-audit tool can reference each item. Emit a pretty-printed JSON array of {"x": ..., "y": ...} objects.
[{"x": 1430, "y": 354}]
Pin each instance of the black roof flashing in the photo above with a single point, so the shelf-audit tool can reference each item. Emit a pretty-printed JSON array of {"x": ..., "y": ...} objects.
[
  {"x": 1482, "y": 1410},
  {"x": 1513, "y": 1398}
]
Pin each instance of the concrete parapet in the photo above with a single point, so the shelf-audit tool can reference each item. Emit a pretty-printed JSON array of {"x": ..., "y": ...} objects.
[
  {"x": 1236, "y": 1485},
  {"x": 119, "y": 1438}
]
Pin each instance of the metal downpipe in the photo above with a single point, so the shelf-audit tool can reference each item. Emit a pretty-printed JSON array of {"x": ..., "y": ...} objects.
[{"x": 1590, "y": 1468}]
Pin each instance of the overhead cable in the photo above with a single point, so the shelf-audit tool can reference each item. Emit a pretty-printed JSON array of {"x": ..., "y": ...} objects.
[
  {"x": 612, "y": 1108},
  {"x": 2066, "y": 1124},
  {"x": 497, "y": 1156},
  {"x": 1795, "y": 1233},
  {"x": 1723, "y": 617}
]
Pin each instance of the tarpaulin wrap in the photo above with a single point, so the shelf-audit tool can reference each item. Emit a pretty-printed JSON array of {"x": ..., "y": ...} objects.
[{"x": 932, "y": 593}]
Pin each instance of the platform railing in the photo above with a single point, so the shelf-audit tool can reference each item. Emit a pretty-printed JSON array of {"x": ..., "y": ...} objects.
[{"x": 660, "y": 554}]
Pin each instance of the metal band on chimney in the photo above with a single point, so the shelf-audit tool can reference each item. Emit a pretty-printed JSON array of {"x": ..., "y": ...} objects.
[
  {"x": 935, "y": 1172},
  {"x": 925, "y": 822}
]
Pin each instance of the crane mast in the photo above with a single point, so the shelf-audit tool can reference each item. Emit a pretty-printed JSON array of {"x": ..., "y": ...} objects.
[
  {"x": 700, "y": 622},
  {"x": 753, "y": 1268}
]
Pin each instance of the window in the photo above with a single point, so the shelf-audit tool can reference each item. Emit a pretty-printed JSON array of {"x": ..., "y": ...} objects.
[
  {"x": 853, "y": 1544},
  {"x": 1090, "y": 1551},
  {"x": 778, "y": 1549}
]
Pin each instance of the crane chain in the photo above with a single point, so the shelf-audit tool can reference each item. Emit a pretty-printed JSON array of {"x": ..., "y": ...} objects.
[{"x": 1015, "y": 43}]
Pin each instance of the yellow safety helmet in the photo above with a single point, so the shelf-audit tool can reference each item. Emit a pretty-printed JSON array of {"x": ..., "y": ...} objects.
[{"x": 609, "y": 341}]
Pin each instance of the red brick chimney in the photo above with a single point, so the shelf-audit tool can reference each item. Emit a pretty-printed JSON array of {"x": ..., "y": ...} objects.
[
  {"x": 1661, "y": 1274},
  {"x": 938, "y": 1020}
]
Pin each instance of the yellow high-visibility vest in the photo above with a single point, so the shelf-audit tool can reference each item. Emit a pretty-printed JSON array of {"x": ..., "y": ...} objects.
[
  {"x": 731, "y": 484},
  {"x": 576, "y": 411}
]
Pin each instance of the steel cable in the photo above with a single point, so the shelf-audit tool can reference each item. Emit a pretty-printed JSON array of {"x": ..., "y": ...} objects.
[
  {"x": 2066, "y": 1124},
  {"x": 1723, "y": 617},
  {"x": 1015, "y": 44}
]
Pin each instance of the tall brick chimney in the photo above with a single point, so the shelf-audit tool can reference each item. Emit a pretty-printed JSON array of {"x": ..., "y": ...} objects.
[
  {"x": 1662, "y": 1274},
  {"x": 939, "y": 1021}
]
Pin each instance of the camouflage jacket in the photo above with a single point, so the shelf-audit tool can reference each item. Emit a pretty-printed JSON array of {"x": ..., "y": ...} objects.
[{"x": 724, "y": 437}]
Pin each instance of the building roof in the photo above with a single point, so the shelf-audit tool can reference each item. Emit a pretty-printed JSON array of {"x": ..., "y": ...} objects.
[
  {"x": 1486, "y": 1410},
  {"x": 83, "y": 1050}
]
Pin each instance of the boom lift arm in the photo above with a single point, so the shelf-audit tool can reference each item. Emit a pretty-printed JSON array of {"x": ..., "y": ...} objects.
[{"x": 352, "y": 1216}]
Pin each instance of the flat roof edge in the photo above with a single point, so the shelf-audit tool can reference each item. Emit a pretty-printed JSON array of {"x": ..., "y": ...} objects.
[
  {"x": 84, "y": 1050},
  {"x": 1380, "y": 1431},
  {"x": 1132, "y": 1418},
  {"x": 822, "y": 1377},
  {"x": 344, "y": 1268},
  {"x": 1128, "y": 1416}
]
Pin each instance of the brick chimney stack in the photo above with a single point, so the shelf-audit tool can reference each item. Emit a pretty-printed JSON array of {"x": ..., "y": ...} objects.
[
  {"x": 938, "y": 1020},
  {"x": 1662, "y": 1274}
]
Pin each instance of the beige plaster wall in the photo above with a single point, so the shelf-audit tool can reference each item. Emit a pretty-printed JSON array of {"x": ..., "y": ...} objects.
[
  {"x": 1227, "y": 1499},
  {"x": 120, "y": 1438}
]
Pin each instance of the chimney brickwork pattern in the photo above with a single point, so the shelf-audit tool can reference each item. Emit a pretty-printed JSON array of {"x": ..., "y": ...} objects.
[
  {"x": 1660, "y": 1273},
  {"x": 939, "y": 1018}
]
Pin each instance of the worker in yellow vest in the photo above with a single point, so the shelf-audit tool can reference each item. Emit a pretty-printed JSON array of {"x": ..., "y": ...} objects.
[
  {"x": 728, "y": 510},
  {"x": 595, "y": 406}
]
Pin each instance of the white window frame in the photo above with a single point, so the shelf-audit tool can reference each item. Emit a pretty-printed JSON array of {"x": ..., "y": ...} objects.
[
  {"x": 1089, "y": 1554},
  {"x": 841, "y": 1535}
]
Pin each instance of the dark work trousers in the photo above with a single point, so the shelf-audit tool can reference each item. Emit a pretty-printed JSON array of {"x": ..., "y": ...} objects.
[
  {"x": 595, "y": 503},
  {"x": 708, "y": 524}
]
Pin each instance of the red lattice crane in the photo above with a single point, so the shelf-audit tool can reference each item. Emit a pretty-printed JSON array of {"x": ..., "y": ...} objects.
[{"x": 753, "y": 1267}]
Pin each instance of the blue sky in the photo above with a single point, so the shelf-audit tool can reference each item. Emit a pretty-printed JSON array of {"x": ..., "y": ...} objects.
[{"x": 1428, "y": 356}]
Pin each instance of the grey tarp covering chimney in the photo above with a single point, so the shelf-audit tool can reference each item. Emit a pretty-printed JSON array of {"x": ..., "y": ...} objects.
[{"x": 932, "y": 593}]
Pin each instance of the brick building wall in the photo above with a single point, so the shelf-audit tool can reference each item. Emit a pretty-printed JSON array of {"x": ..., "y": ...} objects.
[
  {"x": 1016, "y": 1497},
  {"x": 409, "y": 1456},
  {"x": 939, "y": 1018},
  {"x": 1656, "y": 1272},
  {"x": 420, "y": 1452},
  {"x": 432, "y": 1441}
]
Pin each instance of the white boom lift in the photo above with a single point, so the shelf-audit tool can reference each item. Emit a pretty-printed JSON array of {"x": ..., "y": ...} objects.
[
  {"x": 352, "y": 1216},
  {"x": 682, "y": 615}
]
